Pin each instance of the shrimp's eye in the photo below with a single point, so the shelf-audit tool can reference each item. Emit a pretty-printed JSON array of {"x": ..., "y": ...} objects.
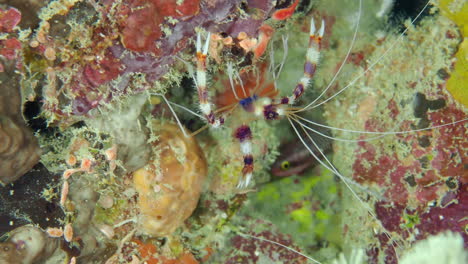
[{"x": 285, "y": 165}]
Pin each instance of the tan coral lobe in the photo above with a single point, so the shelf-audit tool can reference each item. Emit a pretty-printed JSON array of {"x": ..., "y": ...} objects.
[
  {"x": 170, "y": 186},
  {"x": 19, "y": 150}
]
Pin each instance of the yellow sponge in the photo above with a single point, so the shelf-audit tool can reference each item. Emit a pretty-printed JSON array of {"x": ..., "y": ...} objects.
[{"x": 457, "y": 84}]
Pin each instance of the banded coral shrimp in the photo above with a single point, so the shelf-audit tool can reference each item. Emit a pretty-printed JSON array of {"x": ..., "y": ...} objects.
[{"x": 402, "y": 166}]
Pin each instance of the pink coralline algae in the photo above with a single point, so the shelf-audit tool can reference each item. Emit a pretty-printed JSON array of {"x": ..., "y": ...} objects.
[
  {"x": 450, "y": 214},
  {"x": 426, "y": 188},
  {"x": 435, "y": 156},
  {"x": 249, "y": 250},
  {"x": 141, "y": 26},
  {"x": 9, "y": 19},
  {"x": 11, "y": 46}
]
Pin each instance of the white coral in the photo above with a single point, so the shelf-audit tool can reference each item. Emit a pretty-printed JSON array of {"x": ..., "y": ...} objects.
[{"x": 444, "y": 248}]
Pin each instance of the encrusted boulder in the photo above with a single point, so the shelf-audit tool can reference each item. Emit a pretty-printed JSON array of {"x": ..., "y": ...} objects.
[{"x": 19, "y": 150}]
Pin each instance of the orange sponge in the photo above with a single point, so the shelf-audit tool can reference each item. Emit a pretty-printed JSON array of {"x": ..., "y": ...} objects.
[{"x": 170, "y": 186}]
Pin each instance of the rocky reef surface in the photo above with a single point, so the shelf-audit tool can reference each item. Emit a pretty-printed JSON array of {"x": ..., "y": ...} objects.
[
  {"x": 19, "y": 150},
  {"x": 130, "y": 173}
]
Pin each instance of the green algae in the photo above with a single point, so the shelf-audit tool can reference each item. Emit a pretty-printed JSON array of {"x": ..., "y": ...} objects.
[
  {"x": 269, "y": 192},
  {"x": 304, "y": 207},
  {"x": 411, "y": 220}
]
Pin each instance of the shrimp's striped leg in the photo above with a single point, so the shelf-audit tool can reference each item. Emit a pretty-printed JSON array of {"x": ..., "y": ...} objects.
[
  {"x": 205, "y": 104},
  {"x": 244, "y": 135},
  {"x": 312, "y": 58}
]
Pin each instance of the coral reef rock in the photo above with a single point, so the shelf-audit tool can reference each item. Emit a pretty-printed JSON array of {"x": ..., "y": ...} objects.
[
  {"x": 27, "y": 245},
  {"x": 19, "y": 150}
]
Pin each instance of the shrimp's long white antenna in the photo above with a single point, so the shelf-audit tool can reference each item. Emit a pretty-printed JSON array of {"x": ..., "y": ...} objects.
[
  {"x": 285, "y": 54},
  {"x": 189, "y": 68},
  {"x": 272, "y": 67},
  {"x": 329, "y": 166},
  {"x": 175, "y": 116},
  {"x": 241, "y": 82},
  {"x": 334, "y": 138},
  {"x": 353, "y": 41},
  {"x": 230, "y": 72},
  {"x": 349, "y": 181},
  {"x": 186, "y": 109},
  {"x": 281, "y": 245},
  {"x": 381, "y": 133},
  {"x": 334, "y": 170},
  {"x": 311, "y": 105}
]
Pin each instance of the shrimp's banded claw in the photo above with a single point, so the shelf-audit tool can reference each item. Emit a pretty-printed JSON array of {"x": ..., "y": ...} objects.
[
  {"x": 244, "y": 181},
  {"x": 244, "y": 135},
  {"x": 310, "y": 65},
  {"x": 205, "y": 104},
  {"x": 205, "y": 47},
  {"x": 312, "y": 29}
]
